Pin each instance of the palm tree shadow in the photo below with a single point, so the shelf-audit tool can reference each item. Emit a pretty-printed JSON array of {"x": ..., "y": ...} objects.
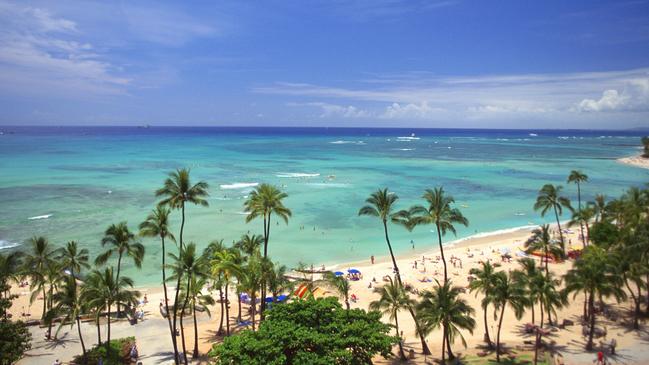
[
  {"x": 161, "y": 356},
  {"x": 62, "y": 341}
]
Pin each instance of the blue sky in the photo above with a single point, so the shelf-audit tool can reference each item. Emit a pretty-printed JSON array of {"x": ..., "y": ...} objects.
[{"x": 383, "y": 63}]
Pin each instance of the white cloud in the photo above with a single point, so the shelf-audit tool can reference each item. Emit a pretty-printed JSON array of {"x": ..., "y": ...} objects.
[
  {"x": 333, "y": 110},
  {"x": 424, "y": 96},
  {"x": 43, "y": 53}
]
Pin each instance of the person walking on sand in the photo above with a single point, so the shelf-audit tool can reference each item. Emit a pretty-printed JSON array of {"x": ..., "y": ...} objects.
[{"x": 372, "y": 259}]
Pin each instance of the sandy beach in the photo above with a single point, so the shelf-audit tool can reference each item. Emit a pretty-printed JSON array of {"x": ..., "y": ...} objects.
[
  {"x": 636, "y": 160},
  {"x": 155, "y": 345}
]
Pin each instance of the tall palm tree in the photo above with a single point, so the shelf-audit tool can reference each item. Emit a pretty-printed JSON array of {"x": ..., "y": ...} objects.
[
  {"x": 10, "y": 269},
  {"x": 583, "y": 218},
  {"x": 530, "y": 277},
  {"x": 121, "y": 242},
  {"x": 439, "y": 211},
  {"x": 444, "y": 307},
  {"x": 37, "y": 260},
  {"x": 340, "y": 284},
  {"x": 483, "y": 282},
  {"x": 381, "y": 204},
  {"x": 250, "y": 278},
  {"x": 67, "y": 302},
  {"x": 188, "y": 265},
  {"x": 541, "y": 241},
  {"x": 102, "y": 290},
  {"x": 250, "y": 244},
  {"x": 208, "y": 253},
  {"x": 53, "y": 279},
  {"x": 594, "y": 274},
  {"x": 156, "y": 224},
  {"x": 393, "y": 298},
  {"x": 550, "y": 198},
  {"x": 578, "y": 177},
  {"x": 197, "y": 301},
  {"x": 223, "y": 264},
  {"x": 265, "y": 201},
  {"x": 75, "y": 259},
  {"x": 277, "y": 280},
  {"x": 507, "y": 291},
  {"x": 177, "y": 191},
  {"x": 599, "y": 205}
]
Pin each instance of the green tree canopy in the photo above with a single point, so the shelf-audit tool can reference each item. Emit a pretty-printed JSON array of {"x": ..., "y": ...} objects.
[{"x": 314, "y": 331}]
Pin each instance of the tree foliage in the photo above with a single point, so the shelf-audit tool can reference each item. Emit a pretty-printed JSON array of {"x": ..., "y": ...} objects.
[{"x": 314, "y": 331}]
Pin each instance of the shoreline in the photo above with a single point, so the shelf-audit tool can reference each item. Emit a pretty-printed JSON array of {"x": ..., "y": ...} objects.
[{"x": 635, "y": 160}]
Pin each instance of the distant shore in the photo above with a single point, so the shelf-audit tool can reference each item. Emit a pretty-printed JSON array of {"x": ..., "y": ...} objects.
[{"x": 637, "y": 161}]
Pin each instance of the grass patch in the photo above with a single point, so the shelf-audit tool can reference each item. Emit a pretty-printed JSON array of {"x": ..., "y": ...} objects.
[{"x": 119, "y": 353}]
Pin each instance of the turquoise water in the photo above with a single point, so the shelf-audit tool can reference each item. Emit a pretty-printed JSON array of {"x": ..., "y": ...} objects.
[{"x": 74, "y": 182}]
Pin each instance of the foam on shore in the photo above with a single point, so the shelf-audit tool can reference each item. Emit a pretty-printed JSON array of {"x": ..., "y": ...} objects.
[
  {"x": 6, "y": 244},
  {"x": 238, "y": 186},
  {"x": 296, "y": 174}
]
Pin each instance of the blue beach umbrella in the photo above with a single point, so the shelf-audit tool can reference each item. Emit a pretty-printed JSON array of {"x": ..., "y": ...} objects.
[
  {"x": 339, "y": 273},
  {"x": 353, "y": 271}
]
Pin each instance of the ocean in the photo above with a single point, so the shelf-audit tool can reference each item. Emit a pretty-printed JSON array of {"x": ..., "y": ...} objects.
[{"x": 70, "y": 183}]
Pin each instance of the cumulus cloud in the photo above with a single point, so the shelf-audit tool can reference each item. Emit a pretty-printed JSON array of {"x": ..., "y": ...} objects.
[
  {"x": 334, "y": 110},
  {"x": 425, "y": 96}
]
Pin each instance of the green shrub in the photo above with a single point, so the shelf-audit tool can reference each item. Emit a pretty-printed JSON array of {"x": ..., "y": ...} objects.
[{"x": 119, "y": 353}]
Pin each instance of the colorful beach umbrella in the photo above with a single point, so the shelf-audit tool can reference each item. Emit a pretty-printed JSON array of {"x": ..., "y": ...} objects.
[
  {"x": 339, "y": 273},
  {"x": 353, "y": 271}
]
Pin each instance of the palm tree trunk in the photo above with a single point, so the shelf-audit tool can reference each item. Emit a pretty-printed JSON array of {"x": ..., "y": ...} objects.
[
  {"x": 402, "y": 355},
  {"x": 636, "y": 303},
  {"x": 591, "y": 303},
  {"x": 83, "y": 345},
  {"x": 108, "y": 331},
  {"x": 347, "y": 301},
  {"x": 175, "y": 314},
  {"x": 538, "y": 338},
  {"x": 444, "y": 345},
  {"x": 44, "y": 303},
  {"x": 227, "y": 311},
  {"x": 263, "y": 285},
  {"x": 585, "y": 306},
  {"x": 532, "y": 306},
  {"x": 253, "y": 312},
  {"x": 424, "y": 347},
  {"x": 195, "y": 354},
  {"x": 500, "y": 324},
  {"x": 164, "y": 286},
  {"x": 119, "y": 266},
  {"x": 486, "y": 328},
  {"x": 441, "y": 251},
  {"x": 556, "y": 215},
  {"x": 220, "y": 331},
  {"x": 581, "y": 222},
  {"x": 182, "y": 312},
  {"x": 451, "y": 356},
  {"x": 239, "y": 304},
  {"x": 98, "y": 329}
]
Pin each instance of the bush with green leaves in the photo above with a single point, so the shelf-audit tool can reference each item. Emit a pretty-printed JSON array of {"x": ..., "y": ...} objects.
[
  {"x": 313, "y": 331},
  {"x": 15, "y": 338},
  {"x": 120, "y": 351}
]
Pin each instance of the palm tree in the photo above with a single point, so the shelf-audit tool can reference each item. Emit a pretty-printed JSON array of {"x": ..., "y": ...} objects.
[
  {"x": 381, "y": 204},
  {"x": 530, "y": 277},
  {"x": 440, "y": 213},
  {"x": 121, "y": 242},
  {"x": 223, "y": 265},
  {"x": 250, "y": 278},
  {"x": 393, "y": 298},
  {"x": 583, "y": 218},
  {"x": 340, "y": 284},
  {"x": 68, "y": 302},
  {"x": 157, "y": 225},
  {"x": 75, "y": 259},
  {"x": 541, "y": 241},
  {"x": 188, "y": 265},
  {"x": 177, "y": 191},
  {"x": 444, "y": 307},
  {"x": 10, "y": 269},
  {"x": 578, "y": 177},
  {"x": 197, "y": 301},
  {"x": 102, "y": 290},
  {"x": 265, "y": 200},
  {"x": 249, "y": 244},
  {"x": 277, "y": 280},
  {"x": 599, "y": 206},
  {"x": 483, "y": 282},
  {"x": 37, "y": 260},
  {"x": 507, "y": 291},
  {"x": 594, "y": 274},
  {"x": 550, "y": 198},
  {"x": 52, "y": 279}
]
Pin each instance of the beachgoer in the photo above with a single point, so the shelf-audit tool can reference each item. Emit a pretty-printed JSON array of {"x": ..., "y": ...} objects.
[
  {"x": 613, "y": 346},
  {"x": 57, "y": 362},
  {"x": 134, "y": 353},
  {"x": 146, "y": 300},
  {"x": 600, "y": 358},
  {"x": 372, "y": 259}
]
